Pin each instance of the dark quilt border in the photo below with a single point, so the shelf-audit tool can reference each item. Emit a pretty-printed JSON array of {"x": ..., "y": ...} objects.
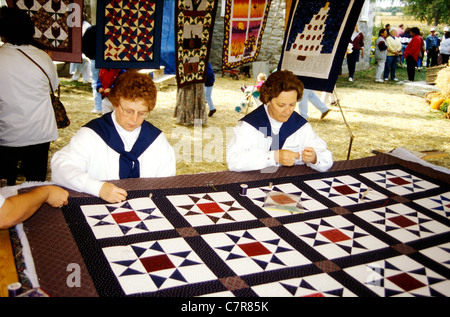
[{"x": 107, "y": 284}]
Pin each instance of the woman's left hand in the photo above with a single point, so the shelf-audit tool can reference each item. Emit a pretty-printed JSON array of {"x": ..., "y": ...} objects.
[{"x": 309, "y": 155}]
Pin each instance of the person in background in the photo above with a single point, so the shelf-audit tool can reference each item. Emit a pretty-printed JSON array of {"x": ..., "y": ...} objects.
[
  {"x": 400, "y": 30},
  {"x": 357, "y": 42},
  {"x": 309, "y": 95},
  {"x": 405, "y": 38},
  {"x": 380, "y": 54},
  {"x": 118, "y": 145},
  {"x": 432, "y": 47},
  {"x": 209, "y": 84},
  {"x": 421, "y": 54},
  {"x": 394, "y": 49},
  {"x": 27, "y": 119},
  {"x": 274, "y": 134},
  {"x": 106, "y": 79},
  {"x": 89, "y": 43},
  {"x": 18, "y": 208},
  {"x": 190, "y": 108},
  {"x": 260, "y": 79},
  {"x": 82, "y": 69},
  {"x": 412, "y": 52},
  {"x": 445, "y": 46}
]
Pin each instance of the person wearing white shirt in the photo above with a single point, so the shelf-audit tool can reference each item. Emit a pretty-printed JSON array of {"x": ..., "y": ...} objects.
[
  {"x": 120, "y": 144},
  {"x": 274, "y": 134},
  {"x": 27, "y": 119},
  {"x": 445, "y": 46},
  {"x": 394, "y": 49}
]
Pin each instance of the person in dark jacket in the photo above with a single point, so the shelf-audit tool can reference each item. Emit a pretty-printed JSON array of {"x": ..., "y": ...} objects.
[
  {"x": 357, "y": 41},
  {"x": 210, "y": 79}
]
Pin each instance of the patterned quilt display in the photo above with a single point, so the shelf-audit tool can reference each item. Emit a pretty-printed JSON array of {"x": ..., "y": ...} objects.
[
  {"x": 57, "y": 26},
  {"x": 129, "y": 33},
  {"x": 244, "y": 23},
  {"x": 316, "y": 39},
  {"x": 363, "y": 232},
  {"x": 194, "y": 24}
]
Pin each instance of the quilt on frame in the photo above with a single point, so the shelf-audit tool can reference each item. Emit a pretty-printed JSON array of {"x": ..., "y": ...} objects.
[
  {"x": 316, "y": 39},
  {"x": 129, "y": 33},
  {"x": 58, "y": 26},
  {"x": 194, "y": 25},
  {"x": 364, "y": 232},
  {"x": 244, "y": 24}
]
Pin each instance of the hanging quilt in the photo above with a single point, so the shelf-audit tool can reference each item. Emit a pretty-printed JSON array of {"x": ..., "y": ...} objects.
[
  {"x": 57, "y": 26},
  {"x": 129, "y": 33},
  {"x": 193, "y": 33},
  {"x": 244, "y": 21},
  {"x": 316, "y": 39}
]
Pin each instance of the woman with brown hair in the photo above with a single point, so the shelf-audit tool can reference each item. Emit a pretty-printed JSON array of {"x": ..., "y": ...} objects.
[
  {"x": 120, "y": 144},
  {"x": 274, "y": 134}
]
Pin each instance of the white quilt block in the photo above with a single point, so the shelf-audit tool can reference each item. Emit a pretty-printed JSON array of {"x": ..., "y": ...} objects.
[
  {"x": 345, "y": 190},
  {"x": 254, "y": 250},
  {"x": 399, "y": 182},
  {"x": 400, "y": 276},
  {"x": 305, "y": 202},
  {"x": 155, "y": 265},
  {"x": 335, "y": 237},
  {"x": 439, "y": 204},
  {"x": 134, "y": 216},
  {"x": 210, "y": 208},
  {"x": 402, "y": 222}
]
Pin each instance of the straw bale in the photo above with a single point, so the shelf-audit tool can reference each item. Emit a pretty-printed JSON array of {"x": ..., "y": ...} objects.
[{"x": 443, "y": 82}]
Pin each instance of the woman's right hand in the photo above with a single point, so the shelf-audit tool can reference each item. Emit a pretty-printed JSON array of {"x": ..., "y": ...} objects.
[
  {"x": 112, "y": 194},
  {"x": 286, "y": 157}
]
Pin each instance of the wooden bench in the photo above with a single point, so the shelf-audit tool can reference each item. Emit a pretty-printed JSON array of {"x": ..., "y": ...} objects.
[
  {"x": 159, "y": 78},
  {"x": 164, "y": 80}
]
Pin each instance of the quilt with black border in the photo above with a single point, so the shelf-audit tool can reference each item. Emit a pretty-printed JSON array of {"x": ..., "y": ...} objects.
[
  {"x": 368, "y": 232},
  {"x": 194, "y": 27},
  {"x": 316, "y": 40},
  {"x": 244, "y": 23},
  {"x": 57, "y": 26},
  {"x": 129, "y": 34}
]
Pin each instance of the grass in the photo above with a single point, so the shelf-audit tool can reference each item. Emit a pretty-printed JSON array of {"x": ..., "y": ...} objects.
[
  {"x": 365, "y": 78},
  {"x": 379, "y": 115}
]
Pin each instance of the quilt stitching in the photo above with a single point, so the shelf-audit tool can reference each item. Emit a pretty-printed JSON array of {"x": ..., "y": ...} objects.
[{"x": 187, "y": 242}]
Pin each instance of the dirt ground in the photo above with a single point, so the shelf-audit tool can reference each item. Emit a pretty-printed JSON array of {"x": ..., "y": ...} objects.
[{"x": 379, "y": 116}]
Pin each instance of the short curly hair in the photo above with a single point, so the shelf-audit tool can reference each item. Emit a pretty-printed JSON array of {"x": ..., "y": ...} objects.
[
  {"x": 279, "y": 81},
  {"x": 133, "y": 85}
]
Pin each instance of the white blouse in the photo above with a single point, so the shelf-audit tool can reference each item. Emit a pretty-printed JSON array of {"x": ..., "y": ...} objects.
[
  {"x": 87, "y": 161},
  {"x": 249, "y": 149}
]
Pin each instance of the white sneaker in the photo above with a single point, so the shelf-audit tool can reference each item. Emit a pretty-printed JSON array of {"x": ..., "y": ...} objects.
[
  {"x": 386, "y": 79},
  {"x": 350, "y": 79},
  {"x": 395, "y": 79},
  {"x": 379, "y": 80}
]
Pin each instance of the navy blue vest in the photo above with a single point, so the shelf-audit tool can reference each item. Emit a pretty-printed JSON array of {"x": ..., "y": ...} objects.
[
  {"x": 259, "y": 119},
  {"x": 128, "y": 162}
]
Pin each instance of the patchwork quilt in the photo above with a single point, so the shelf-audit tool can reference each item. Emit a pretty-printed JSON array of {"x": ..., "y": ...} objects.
[
  {"x": 193, "y": 36},
  {"x": 129, "y": 34},
  {"x": 364, "y": 232},
  {"x": 316, "y": 40},
  {"x": 57, "y": 26}
]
